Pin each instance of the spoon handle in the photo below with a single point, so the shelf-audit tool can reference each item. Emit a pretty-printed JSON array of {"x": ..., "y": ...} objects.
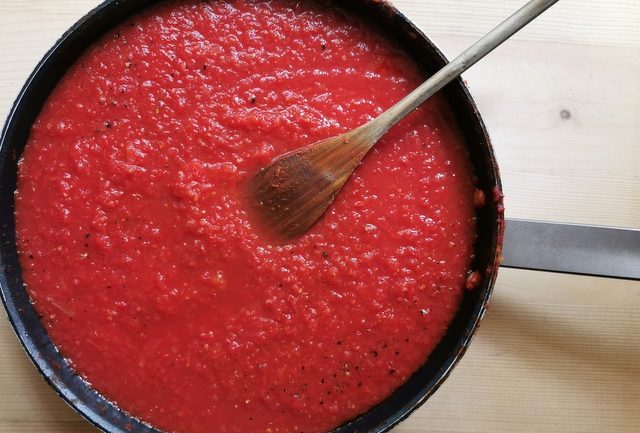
[{"x": 464, "y": 61}]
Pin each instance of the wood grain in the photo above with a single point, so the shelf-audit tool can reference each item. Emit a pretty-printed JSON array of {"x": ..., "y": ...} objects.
[{"x": 555, "y": 353}]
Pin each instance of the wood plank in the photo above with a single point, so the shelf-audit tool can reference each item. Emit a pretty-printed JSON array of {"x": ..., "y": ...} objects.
[
  {"x": 611, "y": 23},
  {"x": 555, "y": 353}
]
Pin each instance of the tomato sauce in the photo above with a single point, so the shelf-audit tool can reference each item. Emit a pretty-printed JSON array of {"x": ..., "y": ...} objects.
[{"x": 134, "y": 239}]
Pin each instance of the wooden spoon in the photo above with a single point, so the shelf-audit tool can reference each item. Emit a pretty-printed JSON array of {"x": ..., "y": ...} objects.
[{"x": 289, "y": 195}]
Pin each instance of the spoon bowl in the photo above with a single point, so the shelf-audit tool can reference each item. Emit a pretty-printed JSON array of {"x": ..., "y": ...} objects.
[{"x": 289, "y": 195}]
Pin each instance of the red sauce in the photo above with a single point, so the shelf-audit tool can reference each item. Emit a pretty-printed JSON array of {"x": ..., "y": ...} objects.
[{"x": 135, "y": 244}]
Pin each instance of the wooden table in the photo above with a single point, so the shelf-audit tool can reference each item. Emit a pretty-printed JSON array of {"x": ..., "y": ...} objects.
[{"x": 555, "y": 353}]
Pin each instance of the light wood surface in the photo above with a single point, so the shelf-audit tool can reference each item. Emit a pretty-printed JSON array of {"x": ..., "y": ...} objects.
[{"x": 555, "y": 353}]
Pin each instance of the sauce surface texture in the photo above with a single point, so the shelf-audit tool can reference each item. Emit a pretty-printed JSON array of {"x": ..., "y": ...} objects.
[{"x": 135, "y": 243}]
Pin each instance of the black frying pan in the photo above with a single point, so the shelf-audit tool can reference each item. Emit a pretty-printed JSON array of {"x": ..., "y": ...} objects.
[{"x": 103, "y": 413}]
